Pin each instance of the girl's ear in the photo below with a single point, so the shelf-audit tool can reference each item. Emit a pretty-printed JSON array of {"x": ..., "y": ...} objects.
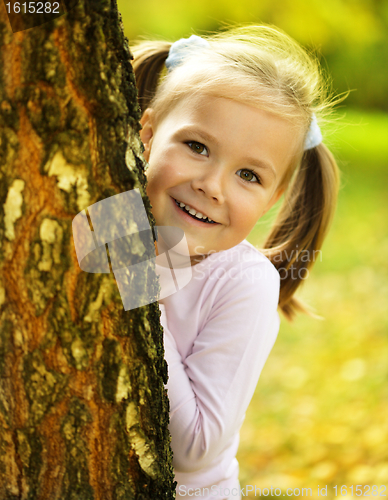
[{"x": 147, "y": 131}]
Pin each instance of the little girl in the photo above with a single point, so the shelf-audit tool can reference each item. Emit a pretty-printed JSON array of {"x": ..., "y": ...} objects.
[{"x": 229, "y": 125}]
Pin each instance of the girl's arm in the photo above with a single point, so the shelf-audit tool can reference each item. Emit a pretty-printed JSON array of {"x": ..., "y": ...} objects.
[{"x": 211, "y": 389}]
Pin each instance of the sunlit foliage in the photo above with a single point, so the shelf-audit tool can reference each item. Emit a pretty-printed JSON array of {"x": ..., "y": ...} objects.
[{"x": 350, "y": 35}]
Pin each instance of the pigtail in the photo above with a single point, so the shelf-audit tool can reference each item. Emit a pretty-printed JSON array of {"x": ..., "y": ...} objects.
[
  {"x": 148, "y": 64},
  {"x": 302, "y": 224}
]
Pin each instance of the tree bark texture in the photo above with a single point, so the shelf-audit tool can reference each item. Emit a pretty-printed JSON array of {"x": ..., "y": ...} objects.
[{"x": 83, "y": 410}]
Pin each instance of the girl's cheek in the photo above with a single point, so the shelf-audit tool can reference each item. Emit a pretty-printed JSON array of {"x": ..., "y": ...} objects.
[
  {"x": 167, "y": 170},
  {"x": 153, "y": 170}
]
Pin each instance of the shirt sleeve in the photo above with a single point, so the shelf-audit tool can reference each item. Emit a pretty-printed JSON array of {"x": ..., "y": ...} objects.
[{"x": 210, "y": 390}]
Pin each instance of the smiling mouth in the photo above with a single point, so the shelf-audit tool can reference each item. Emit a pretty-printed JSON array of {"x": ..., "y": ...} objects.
[{"x": 196, "y": 215}]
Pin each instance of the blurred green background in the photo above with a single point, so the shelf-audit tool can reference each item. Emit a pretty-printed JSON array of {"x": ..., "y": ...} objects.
[{"x": 320, "y": 412}]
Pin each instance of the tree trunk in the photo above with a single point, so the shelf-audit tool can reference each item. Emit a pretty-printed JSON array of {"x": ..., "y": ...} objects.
[{"x": 83, "y": 410}]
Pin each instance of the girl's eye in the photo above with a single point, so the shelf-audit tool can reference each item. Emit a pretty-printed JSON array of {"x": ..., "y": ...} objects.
[
  {"x": 249, "y": 175},
  {"x": 198, "y": 148}
]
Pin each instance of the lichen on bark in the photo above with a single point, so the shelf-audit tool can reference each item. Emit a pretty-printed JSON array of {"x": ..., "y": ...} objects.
[
  {"x": 76, "y": 482},
  {"x": 47, "y": 262},
  {"x": 43, "y": 387}
]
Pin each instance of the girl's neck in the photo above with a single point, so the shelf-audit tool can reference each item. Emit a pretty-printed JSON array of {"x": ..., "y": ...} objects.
[{"x": 196, "y": 259}]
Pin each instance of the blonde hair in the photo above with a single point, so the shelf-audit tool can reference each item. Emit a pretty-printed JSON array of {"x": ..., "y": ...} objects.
[{"x": 263, "y": 67}]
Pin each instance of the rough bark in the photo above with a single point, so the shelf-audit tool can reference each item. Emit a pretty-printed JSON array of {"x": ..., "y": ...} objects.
[{"x": 83, "y": 410}]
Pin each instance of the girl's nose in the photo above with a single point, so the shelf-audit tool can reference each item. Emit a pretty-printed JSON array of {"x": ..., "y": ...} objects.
[{"x": 211, "y": 183}]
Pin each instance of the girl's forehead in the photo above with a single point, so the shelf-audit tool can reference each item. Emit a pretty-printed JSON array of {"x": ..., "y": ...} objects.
[
  {"x": 198, "y": 104},
  {"x": 215, "y": 111}
]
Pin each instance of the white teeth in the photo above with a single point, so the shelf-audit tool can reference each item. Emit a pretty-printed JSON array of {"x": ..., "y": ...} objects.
[
  {"x": 192, "y": 211},
  {"x": 195, "y": 213}
]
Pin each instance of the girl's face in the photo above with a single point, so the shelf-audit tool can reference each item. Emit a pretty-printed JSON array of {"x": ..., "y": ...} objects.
[{"x": 222, "y": 158}]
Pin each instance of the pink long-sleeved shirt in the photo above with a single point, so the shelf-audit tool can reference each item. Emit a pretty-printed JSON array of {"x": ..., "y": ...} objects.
[{"x": 218, "y": 332}]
